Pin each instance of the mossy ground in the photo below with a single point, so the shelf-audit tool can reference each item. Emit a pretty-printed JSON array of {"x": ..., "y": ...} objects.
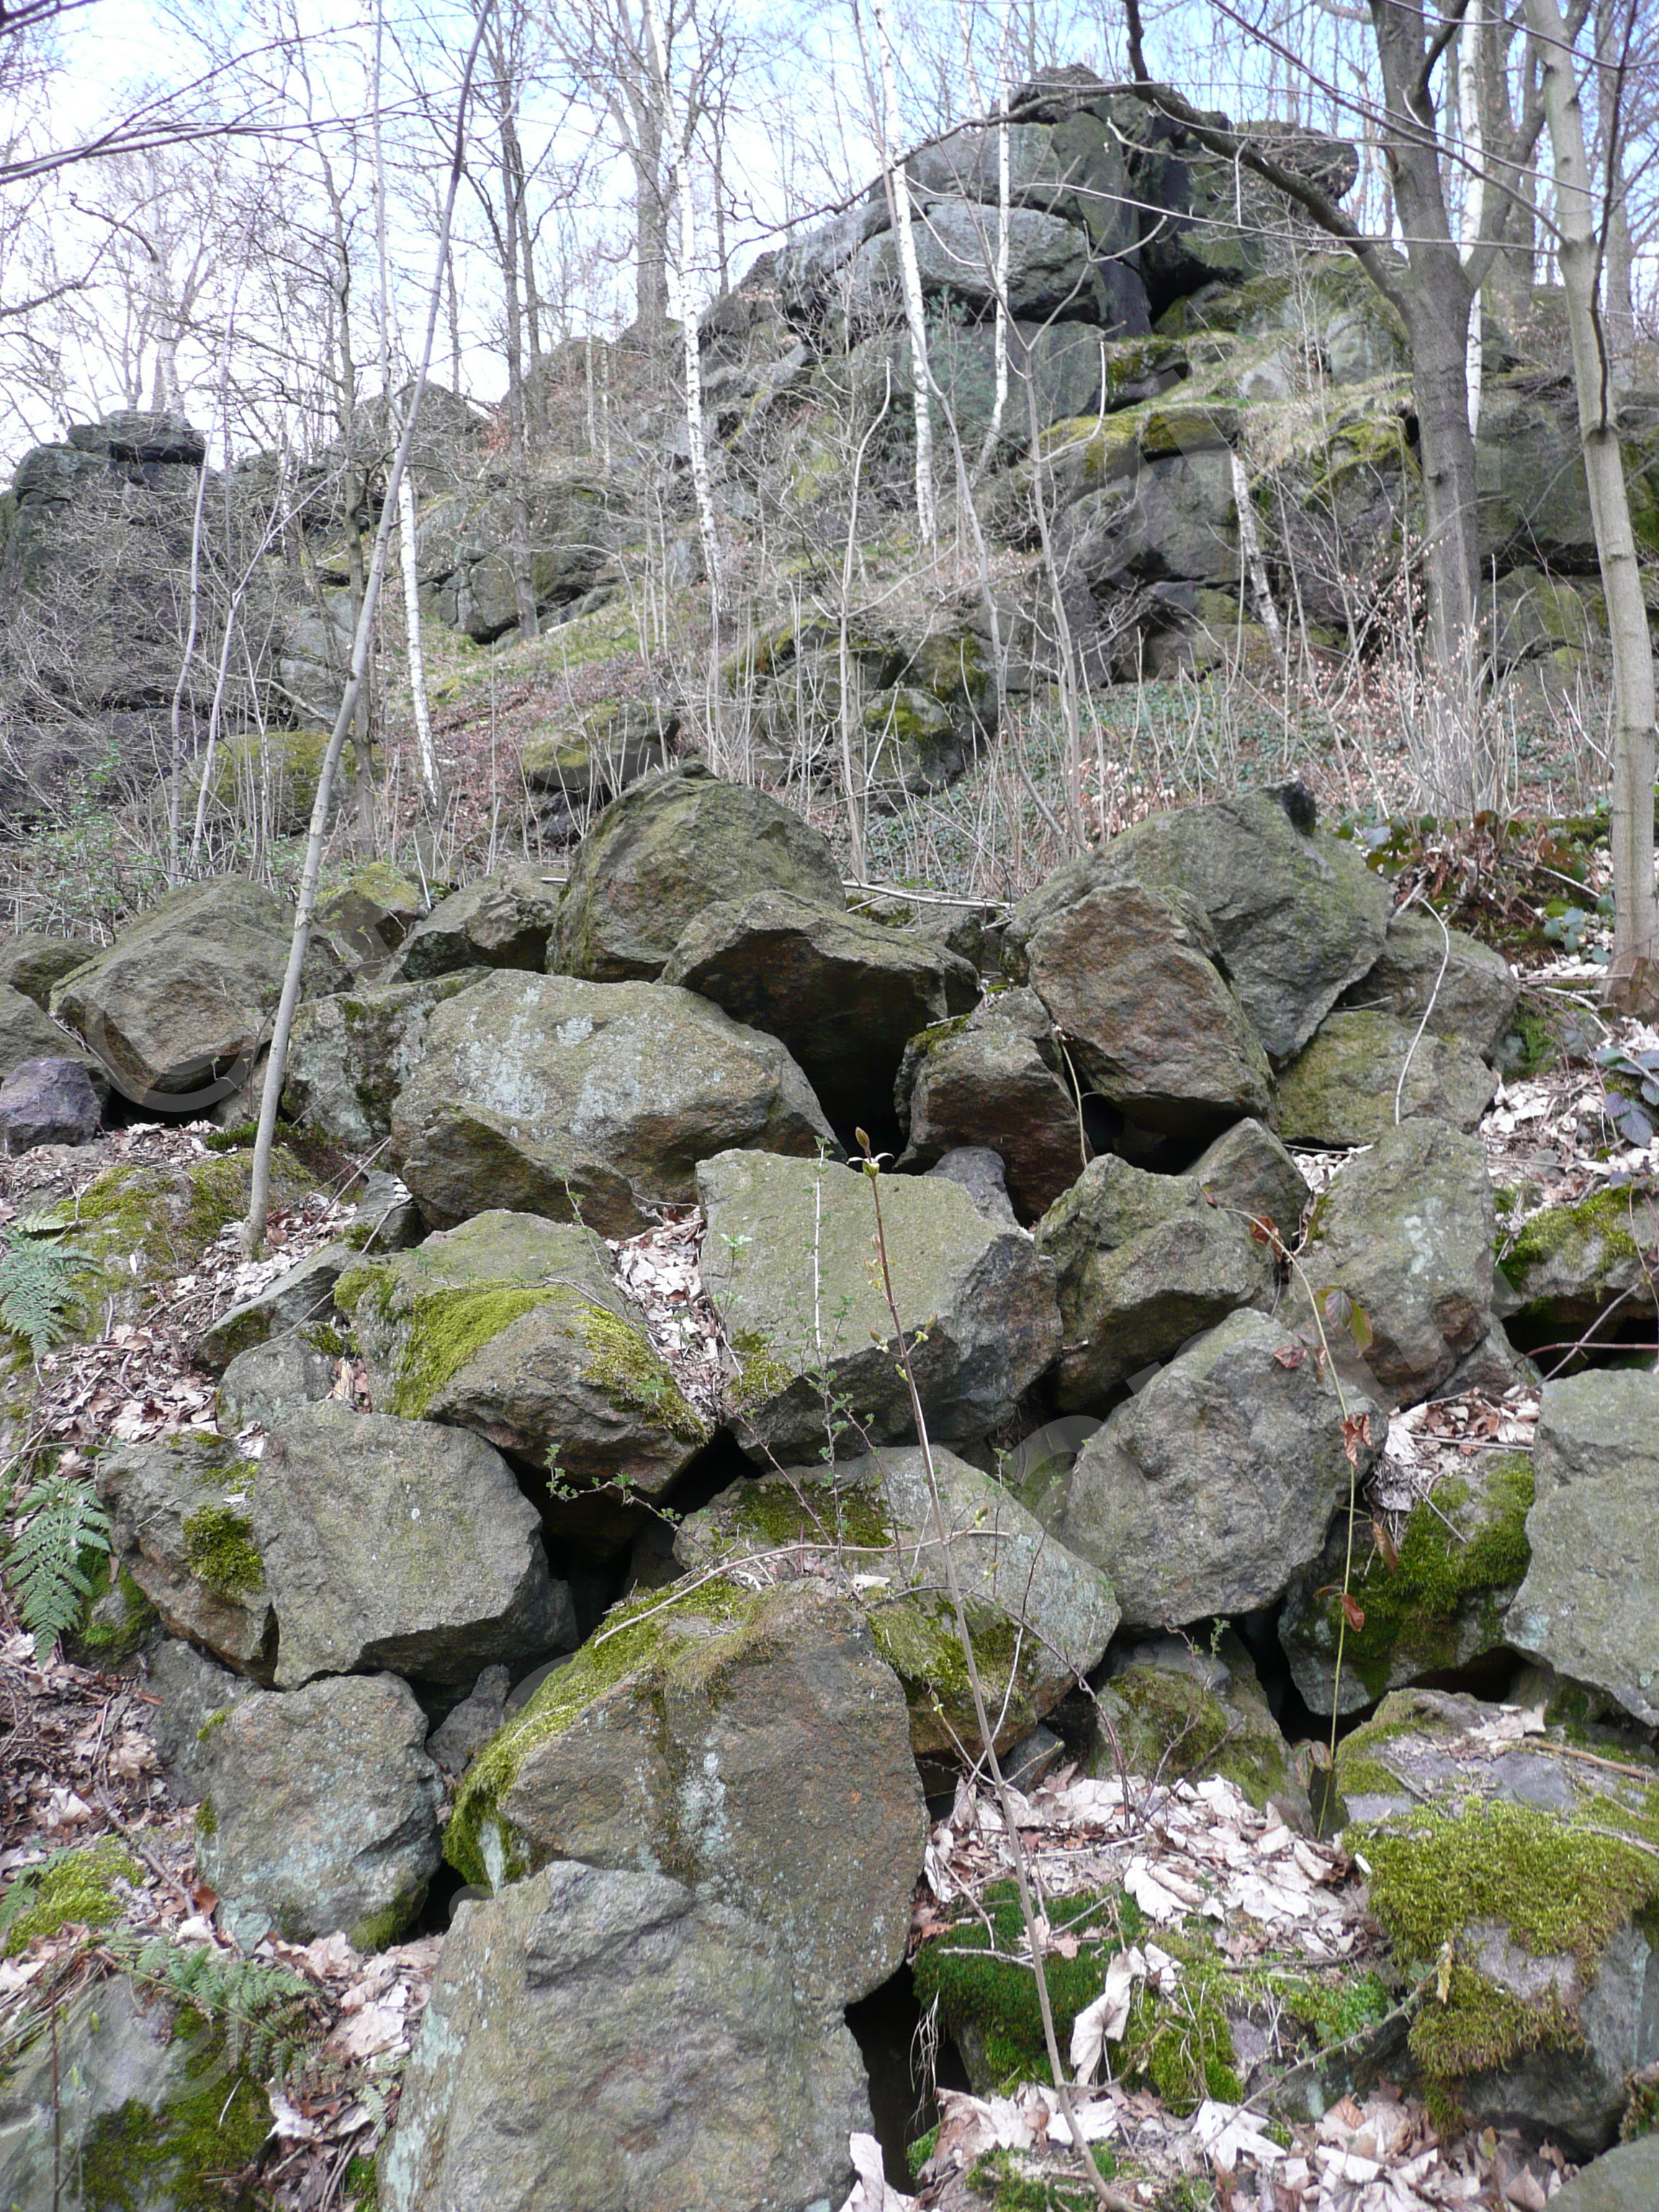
[{"x": 73, "y": 1887}]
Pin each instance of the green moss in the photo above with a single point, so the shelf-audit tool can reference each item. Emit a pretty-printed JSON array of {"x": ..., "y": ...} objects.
[
  {"x": 448, "y": 1328},
  {"x": 207, "y": 1822},
  {"x": 916, "y": 1635},
  {"x": 762, "y": 1376},
  {"x": 1012, "y": 2184},
  {"x": 73, "y": 1887},
  {"x": 1331, "y": 2012},
  {"x": 212, "y": 1724},
  {"x": 362, "y": 2186},
  {"x": 331, "y": 1342},
  {"x": 917, "y": 2154},
  {"x": 218, "y": 1196},
  {"x": 120, "y": 1617},
  {"x": 377, "y": 1929},
  {"x": 1601, "y": 1220},
  {"x": 1181, "y": 2044},
  {"x": 780, "y": 1512},
  {"x": 220, "y": 1550},
  {"x": 633, "y": 1633},
  {"x": 193, "y": 2154},
  {"x": 622, "y": 1364}
]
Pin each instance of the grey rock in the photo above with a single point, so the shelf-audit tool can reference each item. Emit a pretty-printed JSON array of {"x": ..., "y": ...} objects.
[
  {"x": 787, "y": 1262},
  {"x": 1342, "y": 1090},
  {"x": 352, "y": 1053},
  {"x": 1049, "y": 270},
  {"x": 401, "y": 1545},
  {"x": 270, "y": 1381},
  {"x": 502, "y": 920},
  {"x": 182, "y": 1527},
  {"x": 600, "y": 2038},
  {"x": 464, "y": 1730},
  {"x": 1142, "y": 1262},
  {"x": 28, "y": 1035},
  {"x": 47, "y": 1102},
  {"x": 547, "y": 1095},
  {"x": 299, "y": 1302},
  {"x": 1406, "y": 1231},
  {"x": 993, "y": 1078},
  {"x": 32, "y": 962},
  {"x": 983, "y": 1175},
  {"x": 1206, "y": 1491},
  {"x": 1624, "y": 2179},
  {"x": 1249, "y": 1169},
  {"x": 1472, "y": 1003},
  {"x": 1170, "y": 1709},
  {"x": 192, "y": 1689},
  {"x": 1566, "y": 1266},
  {"x": 1590, "y": 1605},
  {"x": 320, "y": 1812}
]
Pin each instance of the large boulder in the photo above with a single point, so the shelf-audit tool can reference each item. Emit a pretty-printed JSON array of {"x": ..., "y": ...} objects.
[
  {"x": 1142, "y": 1262},
  {"x": 712, "y": 1742},
  {"x": 1526, "y": 1875},
  {"x": 181, "y": 1528},
  {"x": 319, "y": 1812},
  {"x": 1625, "y": 2180},
  {"x": 585, "y": 1101},
  {"x": 352, "y": 1052},
  {"x": 1406, "y": 1231},
  {"x": 514, "y": 1327},
  {"x": 1040, "y": 1617},
  {"x": 28, "y": 1035},
  {"x": 401, "y": 1545},
  {"x": 502, "y": 920},
  {"x": 845, "y": 993},
  {"x": 1342, "y": 1089},
  {"x": 602, "y": 2037},
  {"x": 1205, "y": 1493},
  {"x": 1590, "y": 1605},
  {"x": 1466, "y": 989},
  {"x": 789, "y": 1262},
  {"x": 993, "y": 1078},
  {"x": 182, "y": 1000},
  {"x": 32, "y": 962},
  {"x": 1438, "y": 1604},
  {"x": 665, "y": 850}
]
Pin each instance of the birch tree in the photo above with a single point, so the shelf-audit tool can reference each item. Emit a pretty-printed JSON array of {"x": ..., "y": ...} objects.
[{"x": 890, "y": 140}]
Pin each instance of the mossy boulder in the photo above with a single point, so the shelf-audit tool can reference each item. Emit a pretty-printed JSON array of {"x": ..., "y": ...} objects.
[
  {"x": 597, "y": 2037},
  {"x": 352, "y": 1052},
  {"x": 993, "y": 1077},
  {"x": 845, "y": 993},
  {"x": 788, "y": 1262},
  {"x": 1466, "y": 989},
  {"x": 399, "y": 1544},
  {"x": 1040, "y": 1619},
  {"x": 587, "y": 1101},
  {"x": 1204, "y": 1494},
  {"x": 592, "y": 759},
  {"x": 86, "y": 1886},
  {"x": 182, "y": 1531},
  {"x": 1590, "y": 1605},
  {"x": 31, "y": 962},
  {"x": 717, "y": 1751},
  {"x": 1142, "y": 1262},
  {"x": 514, "y": 1327},
  {"x": 27, "y": 1034},
  {"x": 1568, "y": 1265},
  {"x": 264, "y": 1384},
  {"x": 668, "y": 848},
  {"x": 1527, "y": 1879},
  {"x": 502, "y": 920},
  {"x": 1461, "y": 1557},
  {"x": 1178, "y": 1712},
  {"x": 320, "y": 1812},
  {"x": 300, "y": 1300},
  {"x": 1341, "y": 1088},
  {"x": 368, "y": 915},
  {"x": 1247, "y": 1171}
]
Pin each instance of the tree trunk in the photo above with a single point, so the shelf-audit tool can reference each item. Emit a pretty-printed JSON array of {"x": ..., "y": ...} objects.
[
  {"x": 651, "y": 230},
  {"x": 898, "y": 187}
]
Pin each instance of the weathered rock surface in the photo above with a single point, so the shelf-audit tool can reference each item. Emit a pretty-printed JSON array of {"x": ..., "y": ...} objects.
[
  {"x": 1247, "y": 1170},
  {"x": 320, "y": 1812},
  {"x": 1181, "y": 1712},
  {"x": 1590, "y": 1605},
  {"x": 1207, "y": 1492},
  {"x": 27, "y": 1033},
  {"x": 270, "y": 1381},
  {"x": 193, "y": 1688},
  {"x": 1406, "y": 1231},
  {"x": 301, "y": 1301},
  {"x": 665, "y": 850},
  {"x": 502, "y": 920},
  {"x": 1568, "y": 1265},
  {"x": 352, "y": 1053},
  {"x": 845, "y": 995},
  {"x": 32, "y": 963},
  {"x": 1471, "y": 1003},
  {"x": 1141, "y": 1263},
  {"x": 1342, "y": 1090},
  {"x": 713, "y": 1743},
  {"x": 600, "y": 2038},
  {"x": 47, "y": 1102},
  {"x": 1462, "y": 1556},
  {"x": 467, "y": 1728},
  {"x": 514, "y": 1327},
  {"x": 983, "y": 1175},
  {"x": 874, "y": 1516},
  {"x": 182, "y": 1527},
  {"x": 1624, "y": 2179},
  {"x": 993, "y": 1077},
  {"x": 779, "y": 1228},
  {"x": 401, "y": 1545},
  {"x": 547, "y": 1095}
]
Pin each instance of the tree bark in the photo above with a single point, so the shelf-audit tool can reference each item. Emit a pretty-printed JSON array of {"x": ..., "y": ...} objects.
[{"x": 898, "y": 188}]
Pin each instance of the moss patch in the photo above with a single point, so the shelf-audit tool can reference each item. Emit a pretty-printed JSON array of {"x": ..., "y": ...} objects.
[
  {"x": 220, "y": 1550},
  {"x": 120, "y": 1617},
  {"x": 446, "y": 1329},
  {"x": 193, "y": 2154},
  {"x": 73, "y": 1887},
  {"x": 1596, "y": 1231},
  {"x": 621, "y": 1364},
  {"x": 762, "y": 1376}
]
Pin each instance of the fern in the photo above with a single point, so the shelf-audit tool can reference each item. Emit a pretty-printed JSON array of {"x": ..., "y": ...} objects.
[
  {"x": 59, "y": 1523},
  {"x": 269, "y": 2017},
  {"x": 37, "y": 1277}
]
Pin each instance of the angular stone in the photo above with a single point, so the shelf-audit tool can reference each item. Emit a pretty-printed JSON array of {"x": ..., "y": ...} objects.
[
  {"x": 546, "y": 1095},
  {"x": 502, "y": 920},
  {"x": 1147, "y": 1019},
  {"x": 47, "y": 1102},
  {"x": 1142, "y": 1262},
  {"x": 1568, "y": 1265},
  {"x": 28, "y": 1035},
  {"x": 874, "y": 1518},
  {"x": 182, "y": 1528},
  {"x": 514, "y": 1327},
  {"x": 1472, "y": 1003},
  {"x": 468, "y": 1727},
  {"x": 270, "y": 1381},
  {"x": 301, "y": 1301},
  {"x": 1624, "y": 2179},
  {"x": 1247, "y": 1170},
  {"x": 845, "y": 995},
  {"x": 370, "y": 915},
  {"x": 1342, "y": 1090},
  {"x": 1462, "y": 1556},
  {"x": 982, "y": 1175},
  {"x": 1180, "y": 1713},
  {"x": 193, "y": 1689},
  {"x": 665, "y": 850},
  {"x": 600, "y": 2038},
  {"x": 353, "y": 1053},
  {"x": 1590, "y": 1605},
  {"x": 320, "y": 1812},
  {"x": 993, "y": 1077},
  {"x": 32, "y": 962},
  {"x": 400, "y": 1544},
  {"x": 1406, "y": 1231},
  {"x": 787, "y": 1261},
  {"x": 715, "y": 1746},
  {"x": 1207, "y": 1492}
]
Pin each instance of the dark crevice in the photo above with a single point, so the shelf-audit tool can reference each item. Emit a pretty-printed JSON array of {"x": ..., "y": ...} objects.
[{"x": 901, "y": 2102}]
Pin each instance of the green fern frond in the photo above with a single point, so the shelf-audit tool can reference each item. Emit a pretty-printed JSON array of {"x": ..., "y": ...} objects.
[
  {"x": 269, "y": 2017},
  {"x": 48, "y": 1570},
  {"x": 37, "y": 1279}
]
